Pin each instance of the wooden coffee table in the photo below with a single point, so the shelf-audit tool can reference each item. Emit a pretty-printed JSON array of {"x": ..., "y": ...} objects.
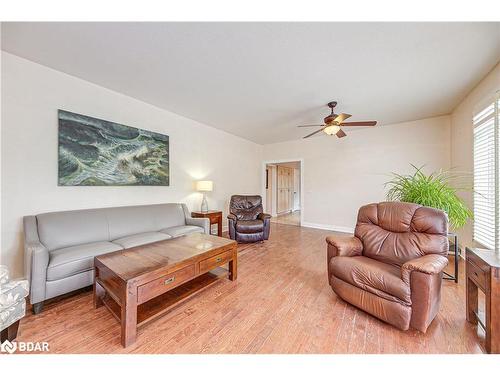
[{"x": 142, "y": 283}]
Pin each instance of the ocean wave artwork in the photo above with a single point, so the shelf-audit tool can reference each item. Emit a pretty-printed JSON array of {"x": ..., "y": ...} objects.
[{"x": 94, "y": 152}]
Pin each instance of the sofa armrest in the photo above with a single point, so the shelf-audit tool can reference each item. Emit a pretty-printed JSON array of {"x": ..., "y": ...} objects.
[
  {"x": 344, "y": 246},
  {"x": 263, "y": 216},
  {"x": 196, "y": 221},
  {"x": 36, "y": 260},
  {"x": 203, "y": 222},
  {"x": 430, "y": 264},
  {"x": 232, "y": 217}
]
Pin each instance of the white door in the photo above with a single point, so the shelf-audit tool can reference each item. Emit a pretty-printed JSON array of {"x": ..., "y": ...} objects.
[
  {"x": 284, "y": 189},
  {"x": 296, "y": 189}
]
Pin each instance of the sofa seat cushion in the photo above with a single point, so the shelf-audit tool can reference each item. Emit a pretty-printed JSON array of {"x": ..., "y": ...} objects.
[
  {"x": 141, "y": 239},
  {"x": 182, "y": 230},
  {"x": 249, "y": 226},
  {"x": 72, "y": 260},
  {"x": 381, "y": 279}
]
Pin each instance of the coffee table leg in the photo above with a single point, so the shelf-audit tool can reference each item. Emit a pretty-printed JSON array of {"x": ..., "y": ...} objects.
[
  {"x": 99, "y": 293},
  {"x": 471, "y": 295},
  {"x": 233, "y": 266},
  {"x": 129, "y": 316}
]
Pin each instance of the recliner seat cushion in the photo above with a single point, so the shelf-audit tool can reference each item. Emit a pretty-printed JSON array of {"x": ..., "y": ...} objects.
[
  {"x": 182, "y": 230},
  {"x": 69, "y": 261},
  {"x": 381, "y": 279},
  {"x": 249, "y": 226},
  {"x": 141, "y": 239}
]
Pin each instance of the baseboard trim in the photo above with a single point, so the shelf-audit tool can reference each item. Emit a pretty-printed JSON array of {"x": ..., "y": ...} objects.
[{"x": 335, "y": 228}]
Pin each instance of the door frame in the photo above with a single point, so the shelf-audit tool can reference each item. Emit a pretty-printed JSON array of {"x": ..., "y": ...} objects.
[{"x": 302, "y": 189}]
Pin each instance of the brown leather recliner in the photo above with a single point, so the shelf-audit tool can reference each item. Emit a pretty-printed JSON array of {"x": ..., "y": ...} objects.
[
  {"x": 247, "y": 221},
  {"x": 392, "y": 267}
]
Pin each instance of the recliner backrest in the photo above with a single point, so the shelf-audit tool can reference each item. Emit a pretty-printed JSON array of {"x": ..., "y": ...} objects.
[
  {"x": 396, "y": 232},
  {"x": 246, "y": 207}
]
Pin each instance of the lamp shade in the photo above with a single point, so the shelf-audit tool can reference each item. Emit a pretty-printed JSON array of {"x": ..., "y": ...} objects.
[{"x": 204, "y": 185}]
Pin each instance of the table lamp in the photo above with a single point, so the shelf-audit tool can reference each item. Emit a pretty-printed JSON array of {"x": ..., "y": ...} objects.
[{"x": 204, "y": 186}]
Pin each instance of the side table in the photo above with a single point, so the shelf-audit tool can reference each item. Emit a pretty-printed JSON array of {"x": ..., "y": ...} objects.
[
  {"x": 215, "y": 218},
  {"x": 483, "y": 273}
]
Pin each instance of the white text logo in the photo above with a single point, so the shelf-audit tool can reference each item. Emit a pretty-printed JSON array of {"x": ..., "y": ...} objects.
[{"x": 22, "y": 346}]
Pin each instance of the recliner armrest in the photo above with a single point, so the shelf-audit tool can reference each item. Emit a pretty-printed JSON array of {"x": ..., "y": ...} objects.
[
  {"x": 344, "y": 246},
  {"x": 232, "y": 217},
  {"x": 263, "y": 216},
  {"x": 430, "y": 264}
]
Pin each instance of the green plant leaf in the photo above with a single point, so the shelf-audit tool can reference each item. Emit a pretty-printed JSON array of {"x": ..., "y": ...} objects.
[{"x": 438, "y": 190}]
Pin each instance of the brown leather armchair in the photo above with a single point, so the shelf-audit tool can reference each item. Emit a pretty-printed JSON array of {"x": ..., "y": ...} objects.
[
  {"x": 392, "y": 267},
  {"x": 247, "y": 222}
]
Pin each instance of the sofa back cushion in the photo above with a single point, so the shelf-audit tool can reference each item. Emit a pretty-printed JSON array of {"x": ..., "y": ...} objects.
[
  {"x": 129, "y": 220},
  {"x": 246, "y": 207},
  {"x": 396, "y": 232},
  {"x": 69, "y": 228}
]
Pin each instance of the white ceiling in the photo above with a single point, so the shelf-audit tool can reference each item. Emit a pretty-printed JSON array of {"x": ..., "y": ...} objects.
[{"x": 261, "y": 80}]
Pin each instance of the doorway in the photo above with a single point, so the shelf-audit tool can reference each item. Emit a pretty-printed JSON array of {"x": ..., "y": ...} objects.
[{"x": 283, "y": 191}]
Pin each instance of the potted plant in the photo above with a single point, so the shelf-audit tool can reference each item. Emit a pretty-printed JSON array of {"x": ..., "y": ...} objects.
[{"x": 433, "y": 190}]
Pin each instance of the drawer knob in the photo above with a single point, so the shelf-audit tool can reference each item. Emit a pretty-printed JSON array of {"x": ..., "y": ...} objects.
[
  {"x": 218, "y": 259},
  {"x": 169, "y": 280}
]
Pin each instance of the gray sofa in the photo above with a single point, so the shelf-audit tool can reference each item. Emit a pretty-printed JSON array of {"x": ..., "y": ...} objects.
[{"x": 59, "y": 247}]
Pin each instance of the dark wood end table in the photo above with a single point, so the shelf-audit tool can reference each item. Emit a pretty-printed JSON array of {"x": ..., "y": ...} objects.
[
  {"x": 483, "y": 273},
  {"x": 214, "y": 216}
]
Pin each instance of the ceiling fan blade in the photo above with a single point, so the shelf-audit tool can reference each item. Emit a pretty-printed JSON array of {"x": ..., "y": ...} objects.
[
  {"x": 341, "y": 133},
  {"x": 307, "y": 126},
  {"x": 342, "y": 117},
  {"x": 360, "y": 123},
  {"x": 310, "y": 135}
]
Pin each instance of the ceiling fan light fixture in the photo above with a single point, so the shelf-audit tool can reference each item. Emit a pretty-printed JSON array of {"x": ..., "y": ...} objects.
[
  {"x": 333, "y": 124},
  {"x": 332, "y": 129}
]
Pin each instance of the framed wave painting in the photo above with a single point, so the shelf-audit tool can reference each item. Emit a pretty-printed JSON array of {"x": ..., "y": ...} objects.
[{"x": 94, "y": 152}]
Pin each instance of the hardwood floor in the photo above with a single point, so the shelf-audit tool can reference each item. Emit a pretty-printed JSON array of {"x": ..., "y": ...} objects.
[
  {"x": 281, "y": 303},
  {"x": 292, "y": 218}
]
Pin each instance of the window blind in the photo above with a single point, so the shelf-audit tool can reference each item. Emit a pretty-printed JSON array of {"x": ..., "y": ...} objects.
[{"x": 486, "y": 176}]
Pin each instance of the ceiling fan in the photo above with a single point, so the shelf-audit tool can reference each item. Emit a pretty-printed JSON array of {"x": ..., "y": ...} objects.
[{"x": 334, "y": 123}]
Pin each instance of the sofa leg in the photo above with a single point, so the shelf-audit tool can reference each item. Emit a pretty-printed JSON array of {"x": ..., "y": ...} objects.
[
  {"x": 9, "y": 333},
  {"x": 37, "y": 308}
]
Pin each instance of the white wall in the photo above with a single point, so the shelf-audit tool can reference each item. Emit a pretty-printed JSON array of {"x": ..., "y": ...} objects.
[
  {"x": 462, "y": 136},
  {"x": 31, "y": 95},
  {"x": 340, "y": 175}
]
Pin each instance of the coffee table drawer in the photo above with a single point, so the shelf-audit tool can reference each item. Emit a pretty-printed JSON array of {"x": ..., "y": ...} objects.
[
  {"x": 215, "y": 261},
  {"x": 163, "y": 284},
  {"x": 476, "y": 272}
]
